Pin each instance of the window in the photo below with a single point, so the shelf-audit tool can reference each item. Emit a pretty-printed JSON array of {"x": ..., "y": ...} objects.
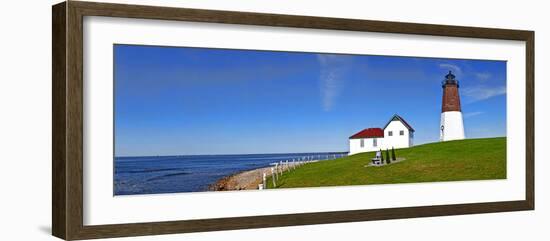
[
  {"x": 362, "y": 142},
  {"x": 390, "y": 133},
  {"x": 401, "y": 133},
  {"x": 374, "y": 142}
]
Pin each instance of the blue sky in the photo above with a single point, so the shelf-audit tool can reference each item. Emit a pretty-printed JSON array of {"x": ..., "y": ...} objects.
[{"x": 184, "y": 101}]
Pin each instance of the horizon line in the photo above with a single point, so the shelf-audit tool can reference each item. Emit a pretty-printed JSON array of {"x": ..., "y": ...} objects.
[
  {"x": 275, "y": 153},
  {"x": 234, "y": 154}
]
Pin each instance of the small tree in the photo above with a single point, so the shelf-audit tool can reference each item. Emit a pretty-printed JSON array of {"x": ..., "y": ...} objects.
[
  {"x": 381, "y": 156},
  {"x": 393, "y": 154},
  {"x": 388, "y": 161}
]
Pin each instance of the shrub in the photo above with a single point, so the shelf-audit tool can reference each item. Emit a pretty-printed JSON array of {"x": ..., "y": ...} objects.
[
  {"x": 388, "y": 161},
  {"x": 393, "y": 154},
  {"x": 381, "y": 156}
]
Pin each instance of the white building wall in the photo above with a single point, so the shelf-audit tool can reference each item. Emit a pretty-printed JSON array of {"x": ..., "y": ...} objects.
[
  {"x": 396, "y": 140},
  {"x": 387, "y": 142},
  {"x": 355, "y": 145},
  {"x": 453, "y": 126}
]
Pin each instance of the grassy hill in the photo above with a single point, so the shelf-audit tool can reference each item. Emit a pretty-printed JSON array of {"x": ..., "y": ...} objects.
[{"x": 471, "y": 159}]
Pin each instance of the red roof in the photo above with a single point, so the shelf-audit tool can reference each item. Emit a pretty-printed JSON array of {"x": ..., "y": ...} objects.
[{"x": 368, "y": 133}]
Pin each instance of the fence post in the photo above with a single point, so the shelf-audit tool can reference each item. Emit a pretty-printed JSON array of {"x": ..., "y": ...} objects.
[
  {"x": 286, "y": 164},
  {"x": 273, "y": 176}
]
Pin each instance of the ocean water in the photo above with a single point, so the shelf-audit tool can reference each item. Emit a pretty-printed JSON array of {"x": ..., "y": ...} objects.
[{"x": 173, "y": 174}]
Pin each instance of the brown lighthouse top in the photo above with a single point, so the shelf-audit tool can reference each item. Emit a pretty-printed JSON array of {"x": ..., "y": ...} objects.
[{"x": 451, "y": 98}]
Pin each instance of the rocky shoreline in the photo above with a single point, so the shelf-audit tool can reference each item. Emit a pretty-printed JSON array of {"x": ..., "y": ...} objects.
[
  {"x": 249, "y": 180},
  {"x": 246, "y": 180}
]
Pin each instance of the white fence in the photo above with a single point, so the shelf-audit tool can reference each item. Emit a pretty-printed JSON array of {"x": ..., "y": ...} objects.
[{"x": 279, "y": 168}]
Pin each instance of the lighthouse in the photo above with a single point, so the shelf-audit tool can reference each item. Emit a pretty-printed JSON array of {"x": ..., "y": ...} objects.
[{"x": 452, "y": 125}]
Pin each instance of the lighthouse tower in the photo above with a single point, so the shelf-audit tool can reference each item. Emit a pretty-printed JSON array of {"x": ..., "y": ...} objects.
[{"x": 452, "y": 125}]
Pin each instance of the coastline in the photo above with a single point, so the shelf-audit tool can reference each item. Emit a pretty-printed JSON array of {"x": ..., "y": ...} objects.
[
  {"x": 245, "y": 180},
  {"x": 186, "y": 173},
  {"x": 251, "y": 179}
]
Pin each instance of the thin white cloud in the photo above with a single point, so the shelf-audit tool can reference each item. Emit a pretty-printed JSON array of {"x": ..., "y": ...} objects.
[
  {"x": 451, "y": 67},
  {"x": 483, "y": 76},
  {"x": 483, "y": 92},
  {"x": 333, "y": 67},
  {"x": 472, "y": 114}
]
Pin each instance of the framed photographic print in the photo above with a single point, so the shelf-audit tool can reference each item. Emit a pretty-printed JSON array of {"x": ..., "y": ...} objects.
[{"x": 171, "y": 120}]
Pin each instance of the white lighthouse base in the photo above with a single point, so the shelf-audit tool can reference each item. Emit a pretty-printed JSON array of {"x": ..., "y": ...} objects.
[{"x": 452, "y": 126}]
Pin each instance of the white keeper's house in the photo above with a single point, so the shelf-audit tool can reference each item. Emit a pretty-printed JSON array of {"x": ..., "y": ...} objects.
[{"x": 397, "y": 133}]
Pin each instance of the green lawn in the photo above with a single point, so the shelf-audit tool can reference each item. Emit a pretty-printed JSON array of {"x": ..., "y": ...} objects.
[{"x": 471, "y": 159}]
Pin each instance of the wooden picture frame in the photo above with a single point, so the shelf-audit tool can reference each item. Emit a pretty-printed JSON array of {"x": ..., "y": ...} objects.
[{"x": 67, "y": 100}]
